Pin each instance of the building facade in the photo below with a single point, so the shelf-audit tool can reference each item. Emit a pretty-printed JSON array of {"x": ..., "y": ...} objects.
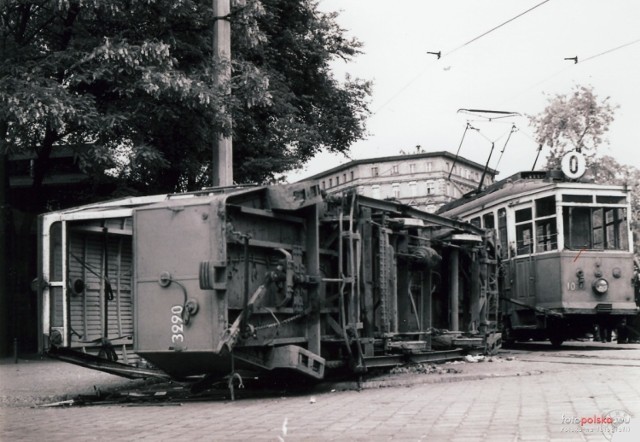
[{"x": 424, "y": 180}]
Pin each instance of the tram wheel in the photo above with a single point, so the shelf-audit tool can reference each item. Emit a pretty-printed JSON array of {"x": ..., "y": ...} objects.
[
  {"x": 507, "y": 335},
  {"x": 556, "y": 341}
]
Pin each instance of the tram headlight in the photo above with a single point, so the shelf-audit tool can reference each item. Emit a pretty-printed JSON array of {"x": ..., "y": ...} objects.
[{"x": 600, "y": 286}]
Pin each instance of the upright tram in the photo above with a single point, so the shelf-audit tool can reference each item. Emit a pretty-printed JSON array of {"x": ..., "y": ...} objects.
[{"x": 566, "y": 252}]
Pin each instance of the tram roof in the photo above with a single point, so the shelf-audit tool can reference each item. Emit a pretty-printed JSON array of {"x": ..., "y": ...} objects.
[{"x": 521, "y": 182}]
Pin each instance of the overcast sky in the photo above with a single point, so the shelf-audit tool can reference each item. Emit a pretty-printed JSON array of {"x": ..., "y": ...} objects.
[{"x": 416, "y": 97}]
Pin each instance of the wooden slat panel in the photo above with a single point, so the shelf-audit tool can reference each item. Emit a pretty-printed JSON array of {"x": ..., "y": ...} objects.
[{"x": 87, "y": 309}]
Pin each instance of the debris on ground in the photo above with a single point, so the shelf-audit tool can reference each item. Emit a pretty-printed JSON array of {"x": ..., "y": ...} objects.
[{"x": 423, "y": 369}]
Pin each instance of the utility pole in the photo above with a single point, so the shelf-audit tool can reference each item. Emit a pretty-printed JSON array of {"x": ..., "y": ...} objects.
[{"x": 222, "y": 167}]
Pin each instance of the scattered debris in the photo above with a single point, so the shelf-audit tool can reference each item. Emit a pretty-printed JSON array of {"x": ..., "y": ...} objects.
[
  {"x": 423, "y": 369},
  {"x": 312, "y": 400},
  {"x": 58, "y": 404},
  {"x": 470, "y": 358}
]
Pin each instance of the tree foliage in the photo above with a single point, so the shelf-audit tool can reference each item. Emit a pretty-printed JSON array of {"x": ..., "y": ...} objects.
[
  {"x": 579, "y": 121},
  {"x": 131, "y": 83},
  {"x": 606, "y": 170},
  {"x": 575, "y": 121}
]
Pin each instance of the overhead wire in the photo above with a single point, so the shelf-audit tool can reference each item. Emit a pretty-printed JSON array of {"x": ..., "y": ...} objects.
[
  {"x": 414, "y": 79},
  {"x": 583, "y": 60},
  {"x": 560, "y": 71},
  {"x": 608, "y": 51},
  {"x": 496, "y": 27}
]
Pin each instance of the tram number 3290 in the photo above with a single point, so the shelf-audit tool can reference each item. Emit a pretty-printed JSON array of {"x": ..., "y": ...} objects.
[{"x": 177, "y": 324}]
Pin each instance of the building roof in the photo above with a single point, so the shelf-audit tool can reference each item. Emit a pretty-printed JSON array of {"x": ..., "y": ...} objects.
[{"x": 417, "y": 156}]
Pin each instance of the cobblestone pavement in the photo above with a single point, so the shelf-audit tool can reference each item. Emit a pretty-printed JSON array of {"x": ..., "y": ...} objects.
[{"x": 541, "y": 395}]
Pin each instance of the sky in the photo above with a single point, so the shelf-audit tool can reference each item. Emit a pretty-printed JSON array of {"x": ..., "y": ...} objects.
[{"x": 416, "y": 97}]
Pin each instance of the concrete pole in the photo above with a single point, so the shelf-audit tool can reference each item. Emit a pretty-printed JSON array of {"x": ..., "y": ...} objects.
[
  {"x": 222, "y": 170},
  {"x": 454, "y": 289}
]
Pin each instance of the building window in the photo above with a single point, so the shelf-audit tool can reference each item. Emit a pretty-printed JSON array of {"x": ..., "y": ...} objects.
[
  {"x": 429, "y": 166},
  {"x": 413, "y": 187},
  {"x": 431, "y": 187},
  {"x": 374, "y": 171},
  {"x": 375, "y": 191},
  {"x": 412, "y": 168},
  {"x": 344, "y": 177},
  {"x": 337, "y": 180},
  {"x": 352, "y": 175},
  {"x": 396, "y": 190},
  {"x": 330, "y": 182},
  {"x": 395, "y": 169},
  {"x": 323, "y": 185}
]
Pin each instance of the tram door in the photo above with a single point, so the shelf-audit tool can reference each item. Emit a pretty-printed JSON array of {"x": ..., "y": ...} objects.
[{"x": 523, "y": 262}]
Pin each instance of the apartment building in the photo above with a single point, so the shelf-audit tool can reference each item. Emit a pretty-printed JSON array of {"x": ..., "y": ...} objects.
[{"x": 424, "y": 180}]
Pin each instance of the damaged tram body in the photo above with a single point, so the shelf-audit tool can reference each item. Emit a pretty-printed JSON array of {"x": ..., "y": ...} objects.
[{"x": 274, "y": 278}]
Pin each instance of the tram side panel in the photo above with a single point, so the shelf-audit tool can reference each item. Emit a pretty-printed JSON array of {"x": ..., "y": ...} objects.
[{"x": 568, "y": 286}]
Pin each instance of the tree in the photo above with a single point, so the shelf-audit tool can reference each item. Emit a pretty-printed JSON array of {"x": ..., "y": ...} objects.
[
  {"x": 577, "y": 121},
  {"x": 606, "y": 170},
  {"x": 308, "y": 110},
  {"x": 133, "y": 82}
]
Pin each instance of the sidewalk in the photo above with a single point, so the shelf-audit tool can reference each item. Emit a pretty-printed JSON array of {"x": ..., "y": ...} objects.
[{"x": 35, "y": 380}]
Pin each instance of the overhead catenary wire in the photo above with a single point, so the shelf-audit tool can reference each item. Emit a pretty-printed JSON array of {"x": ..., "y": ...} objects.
[
  {"x": 495, "y": 28},
  {"x": 580, "y": 61},
  {"x": 608, "y": 51},
  {"x": 414, "y": 79}
]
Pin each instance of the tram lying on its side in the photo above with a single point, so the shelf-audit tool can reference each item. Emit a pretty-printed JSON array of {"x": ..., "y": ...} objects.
[
  {"x": 263, "y": 279},
  {"x": 566, "y": 254}
]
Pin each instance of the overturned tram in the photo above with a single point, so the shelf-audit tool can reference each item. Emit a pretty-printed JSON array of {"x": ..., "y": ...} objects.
[{"x": 274, "y": 279}]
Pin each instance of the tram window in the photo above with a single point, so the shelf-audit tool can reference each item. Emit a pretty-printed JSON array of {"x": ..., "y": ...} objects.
[
  {"x": 546, "y": 228},
  {"x": 524, "y": 231},
  {"x": 595, "y": 228},
  {"x": 523, "y": 215},
  {"x": 489, "y": 221},
  {"x": 598, "y": 229},
  {"x": 545, "y": 206},
  {"x": 615, "y": 229},
  {"x": 611, "y": 199},
  {"x": 577, "y": 198},
  {"x": 475, "y": 221},
  {"x": 577, "y": 227},
  {"x": 524, "y": 239},
  {"x": 546, "y": 235},
  {"x": 502, "y": 233}
]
